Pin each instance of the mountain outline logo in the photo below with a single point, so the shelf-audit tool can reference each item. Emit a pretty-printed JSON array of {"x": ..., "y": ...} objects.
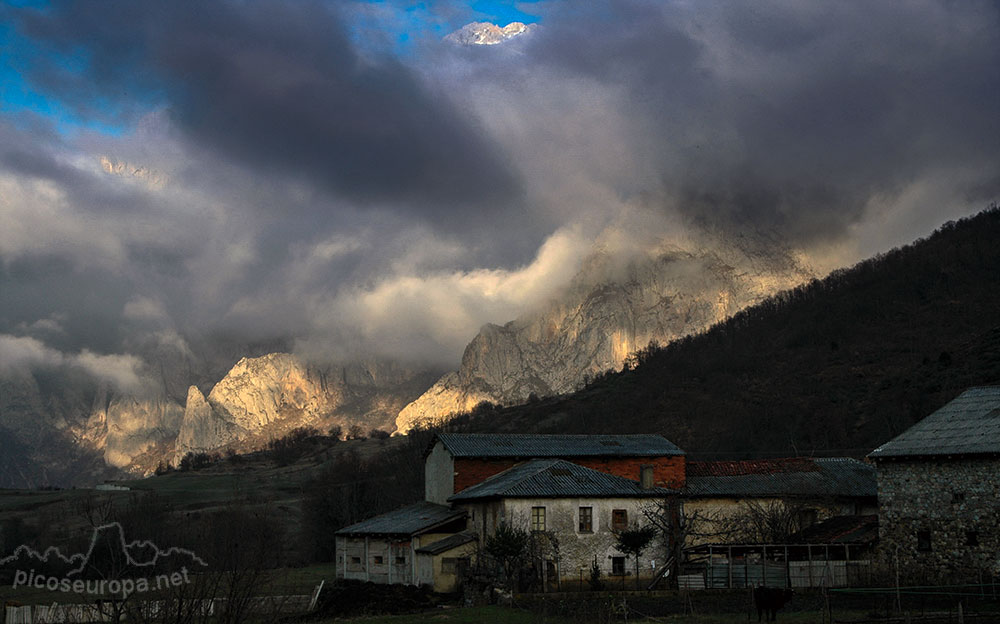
[{"x": 81, "y": 560}]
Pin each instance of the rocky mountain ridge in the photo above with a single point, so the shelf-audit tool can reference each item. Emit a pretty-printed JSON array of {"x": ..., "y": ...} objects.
[
  {"x": 485, "y": 33},
  {"x": 612, "y": 308},
  {"x": 609, "y": 311}
]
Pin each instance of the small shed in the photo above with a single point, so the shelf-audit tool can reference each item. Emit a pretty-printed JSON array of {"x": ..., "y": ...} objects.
[
  {"x": 384, "y": 549},
  {"x": 444, "y": 561}
]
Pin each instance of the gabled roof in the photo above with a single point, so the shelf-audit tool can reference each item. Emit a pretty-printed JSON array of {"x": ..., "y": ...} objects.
[
  {"x": 412, "y": 520},
  {"x": 840, "y": 530},
  {"x": 556, "y": 478},
  {"x": 799, "y": 477},
  {"x": 528, "y": 446},
  {"x": 969, "y": 425},
  {"x": 446, "y": 544}
]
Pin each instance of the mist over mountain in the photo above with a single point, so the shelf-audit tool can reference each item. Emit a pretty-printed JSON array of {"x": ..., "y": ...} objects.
[
  {"x": 612, "y": 308},
  {"x": 835, "y": 366}
]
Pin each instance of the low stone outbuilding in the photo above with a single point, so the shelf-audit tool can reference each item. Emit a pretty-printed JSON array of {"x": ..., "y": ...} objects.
[
  {"x": 415, "y": 545},
  {"x": 939, "y": 491}
]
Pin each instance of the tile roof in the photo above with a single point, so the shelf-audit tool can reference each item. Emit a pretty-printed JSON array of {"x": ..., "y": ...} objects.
[
  {"x": 411, "y": 520},
  {"x": 840, "y": 530},
  {"x": 446, "y": 544},
  {"x": 822, "y": 476},
  {"x": 555, "y": 478},
  {"x": 969, "y": 425},
  {"x": 531, "y": 445}
]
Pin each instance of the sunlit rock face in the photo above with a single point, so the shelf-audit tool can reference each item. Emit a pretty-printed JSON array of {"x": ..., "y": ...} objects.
[
  {"x": 610, "y": 311},
  {"x": 485, "y": 33},
  {"x": 265, "y": 397},
  {"x": 202, "y": 430},
  {"x": 136, "y": 426}
]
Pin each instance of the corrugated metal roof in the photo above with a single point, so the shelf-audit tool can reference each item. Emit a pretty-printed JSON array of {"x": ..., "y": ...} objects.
[
  {"x": 446, "y": 544},
  {"x": 969, "y": 425},
  {"x": 555, "y": 478},
  {"x": 411, "y": 520},
  {"x": 538, "y": 446},
  {"x": 750, "y": 466},
  {"x": 825, "y": 476}
]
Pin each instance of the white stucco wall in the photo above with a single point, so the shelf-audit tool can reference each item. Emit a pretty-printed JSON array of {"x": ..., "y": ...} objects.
[
  {"x": 356, "y": 559},
  {"x": 439, "y": 475},
  {"x": 576, "y": 550}
]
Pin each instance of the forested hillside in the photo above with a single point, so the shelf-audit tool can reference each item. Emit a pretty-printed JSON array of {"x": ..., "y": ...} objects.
[{"x": 838, "y": 365}]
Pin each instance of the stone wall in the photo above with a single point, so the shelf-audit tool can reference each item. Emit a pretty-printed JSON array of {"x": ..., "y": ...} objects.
[{"x": 940, "y": 516}]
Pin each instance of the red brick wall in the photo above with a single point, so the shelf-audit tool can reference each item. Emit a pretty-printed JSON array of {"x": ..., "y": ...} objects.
[
  {"x": 470, "y": 471},
  {"x": 667, "y": 471}
]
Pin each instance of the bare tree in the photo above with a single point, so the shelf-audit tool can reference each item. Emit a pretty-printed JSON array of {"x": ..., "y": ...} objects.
[{"x": 772, "y": 522}]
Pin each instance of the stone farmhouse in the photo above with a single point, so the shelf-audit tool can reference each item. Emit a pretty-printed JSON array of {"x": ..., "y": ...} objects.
[
  {"x": 939, "y": 490},
  {"x": 573, "y": 493},
  {"x": 575, "y": 490},
  {"x": 575, "y": 512}
]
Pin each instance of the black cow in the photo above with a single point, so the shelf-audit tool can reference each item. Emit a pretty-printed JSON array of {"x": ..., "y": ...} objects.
[{"x": 769, "y": 600}]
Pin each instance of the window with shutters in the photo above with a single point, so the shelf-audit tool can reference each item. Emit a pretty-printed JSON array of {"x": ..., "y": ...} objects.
[
  {"x": 619, "y": 520},
  {"x": 537, "y": 518}
]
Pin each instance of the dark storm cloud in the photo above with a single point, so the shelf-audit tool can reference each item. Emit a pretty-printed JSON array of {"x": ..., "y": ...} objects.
[
  {"x": 278, "y": 86},
  {"x": 792, "y": 116},
  {"x": 301, "y": 186}
]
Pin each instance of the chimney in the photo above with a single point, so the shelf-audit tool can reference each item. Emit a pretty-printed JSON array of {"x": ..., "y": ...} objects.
[{"x": 645, "y": 476}]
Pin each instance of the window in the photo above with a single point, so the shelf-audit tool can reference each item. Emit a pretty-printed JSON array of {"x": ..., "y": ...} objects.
[
  {"x": 618, "y": 566},
  {"x": 807, "y": 518},
  {"x": 972, "y": 538},
  {"x": 619, "y": 520},
  {"x": 537, "y": 518},
  {"x": 400, "y": 560},
  {"x": 356, "y": 560},
  {"x": 586, "y": 520},
  {"x": 923, "y": 541},
  {"x": 378, "y": 559}
]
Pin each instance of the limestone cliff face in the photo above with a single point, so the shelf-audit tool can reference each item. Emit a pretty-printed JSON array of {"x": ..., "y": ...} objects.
[
  {"x": 136, "y": 426},
  {"x": 266, "y": 396},
  {"x": 610, "y": 311},
  {"x": 124, "y": 427},
  {"x": 202, "y": 429}
]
